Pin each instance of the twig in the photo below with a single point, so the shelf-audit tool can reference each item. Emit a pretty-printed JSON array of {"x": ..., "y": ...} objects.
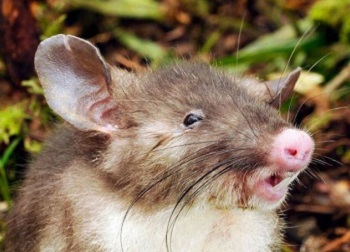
[
  {"x": 338, "y": 80},
  {"x": 335, "y": 244}
]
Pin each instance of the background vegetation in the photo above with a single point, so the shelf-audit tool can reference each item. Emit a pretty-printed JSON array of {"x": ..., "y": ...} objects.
[{"x": 264, "y": 38}]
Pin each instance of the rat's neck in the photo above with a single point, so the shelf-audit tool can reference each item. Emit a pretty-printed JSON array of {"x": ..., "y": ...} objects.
[
  {"x": 196, "y": 229},
  {"x": 203, "y": 229}
]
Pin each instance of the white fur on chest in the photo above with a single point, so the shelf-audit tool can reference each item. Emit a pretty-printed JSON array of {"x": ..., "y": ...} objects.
[
  {"x": 98, "y": 216},
  {"x": 196, "y": 230}
]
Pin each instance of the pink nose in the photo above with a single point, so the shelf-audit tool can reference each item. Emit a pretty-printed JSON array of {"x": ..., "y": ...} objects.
[{"x": 291, "y": 150}]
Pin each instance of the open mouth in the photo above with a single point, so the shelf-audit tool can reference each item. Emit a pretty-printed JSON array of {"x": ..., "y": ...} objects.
[
  {"x": 278, "y": 182},
  {"x": 274, "y": 179},
  {"x": 274, "y": 187}
]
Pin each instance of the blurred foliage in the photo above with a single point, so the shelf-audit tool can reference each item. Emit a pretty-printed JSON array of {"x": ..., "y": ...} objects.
[
  {"x": 11, "y": 121},
  {"x": 33, "y": 86},
  {"x": 265, "y": 48},
  {"x": 335, "y": 14},
  {"x": 4, "y": 185},
  {"x": 16, "y": 122},
  {"x": 145, "y": 9},
  {"x": 146, "y": 48}
]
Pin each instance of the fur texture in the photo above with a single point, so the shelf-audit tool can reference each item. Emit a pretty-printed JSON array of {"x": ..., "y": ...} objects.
[{"x": 128, "y": 172}]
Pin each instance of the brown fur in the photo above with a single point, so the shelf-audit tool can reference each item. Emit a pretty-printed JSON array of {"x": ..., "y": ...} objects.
[{"x": 151, "y": 161}]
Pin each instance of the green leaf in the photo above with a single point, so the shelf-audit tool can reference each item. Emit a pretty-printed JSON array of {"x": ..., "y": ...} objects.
[
  {"x": 149, "y": 9},
  {"x": 32, "y": 146},
  {"x": 199, "y": 7},
  {"x": 11, "y": 120},
  {"x": 4, "y": 186},
  {"x": 53, "y": 28},
  {"x": 330, "y": 12},
  {"x": 211, "y": 41},
  {"x": 146, "y": 48},
  {"x": 280, "y": 43},
  {"x": 334, "y": 14},
  {"x": 33, "y": 86}
]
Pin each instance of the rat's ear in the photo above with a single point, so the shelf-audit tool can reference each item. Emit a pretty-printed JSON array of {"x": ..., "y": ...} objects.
[
  {"x": 76, "y": 82},
  {"x": 277, "y": 91}
]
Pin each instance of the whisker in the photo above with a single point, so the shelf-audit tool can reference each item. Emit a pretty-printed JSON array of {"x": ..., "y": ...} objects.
[
  {"x": 326, "y": 141},
  {"x": 158, "y": 179},
  {"x": 173, "y": 219},
  {"x": 183, "y": 145},
  {"x": 307, "y": 32},
  {"x": 172, "y": 170},
  {"x": 321, "y": 162},
  {"x": 245, "y": 118},
  {"x": 240, "y": 36},
  {"x": 320, "y": 118},
  {"x": 313, "y": 97},
  {"x": 200, "y": 189},
  {"x": 312, "y": 174},
  {"x": 182, "y": 196},
  {"x": 319, "y": 149},
  {"x": 171, "y": 224},
  {"x": 308, "y": 71},
  {"x": 333, "y": 160}
]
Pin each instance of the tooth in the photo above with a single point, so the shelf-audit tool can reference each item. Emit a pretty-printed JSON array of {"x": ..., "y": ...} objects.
[
  {"x": 289, "y": 174},
  {"x": 285, "y": 182}
]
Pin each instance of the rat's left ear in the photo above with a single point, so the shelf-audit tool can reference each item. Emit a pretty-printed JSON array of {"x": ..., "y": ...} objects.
[
  {"x": 277, "y": 91},
  {"x": 77, "y": 83}
]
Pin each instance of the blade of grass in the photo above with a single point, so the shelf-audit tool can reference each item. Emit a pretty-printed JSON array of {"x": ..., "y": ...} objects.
[
  {"x": 211, "y": 41},
  {"x": 4, "y": 186},
  {"x": 271, "y": 50},
  {"x": 281, "y": 42},
  {"x": 146, "y": 48},
  {"x": 150, "y": 9}
]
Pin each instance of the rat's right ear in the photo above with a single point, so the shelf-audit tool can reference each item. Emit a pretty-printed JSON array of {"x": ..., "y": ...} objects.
[
  {"x": 278, "y": 90},
  {"x": 76, "y": 82}
]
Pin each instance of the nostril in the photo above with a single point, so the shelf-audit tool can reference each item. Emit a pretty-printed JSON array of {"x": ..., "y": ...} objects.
[
  {"x": 291, "y": 152},
  {"x": 306, "y": 154}
]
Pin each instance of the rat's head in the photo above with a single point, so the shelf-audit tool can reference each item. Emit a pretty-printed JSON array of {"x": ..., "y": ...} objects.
[{"x": 181, "y": 134}]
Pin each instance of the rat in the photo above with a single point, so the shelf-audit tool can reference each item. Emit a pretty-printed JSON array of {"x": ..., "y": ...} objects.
[{"x": 182, "y": 158}]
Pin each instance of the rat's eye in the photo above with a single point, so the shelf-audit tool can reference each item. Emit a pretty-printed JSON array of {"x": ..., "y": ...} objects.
[{"x": 191, "y": 119}]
